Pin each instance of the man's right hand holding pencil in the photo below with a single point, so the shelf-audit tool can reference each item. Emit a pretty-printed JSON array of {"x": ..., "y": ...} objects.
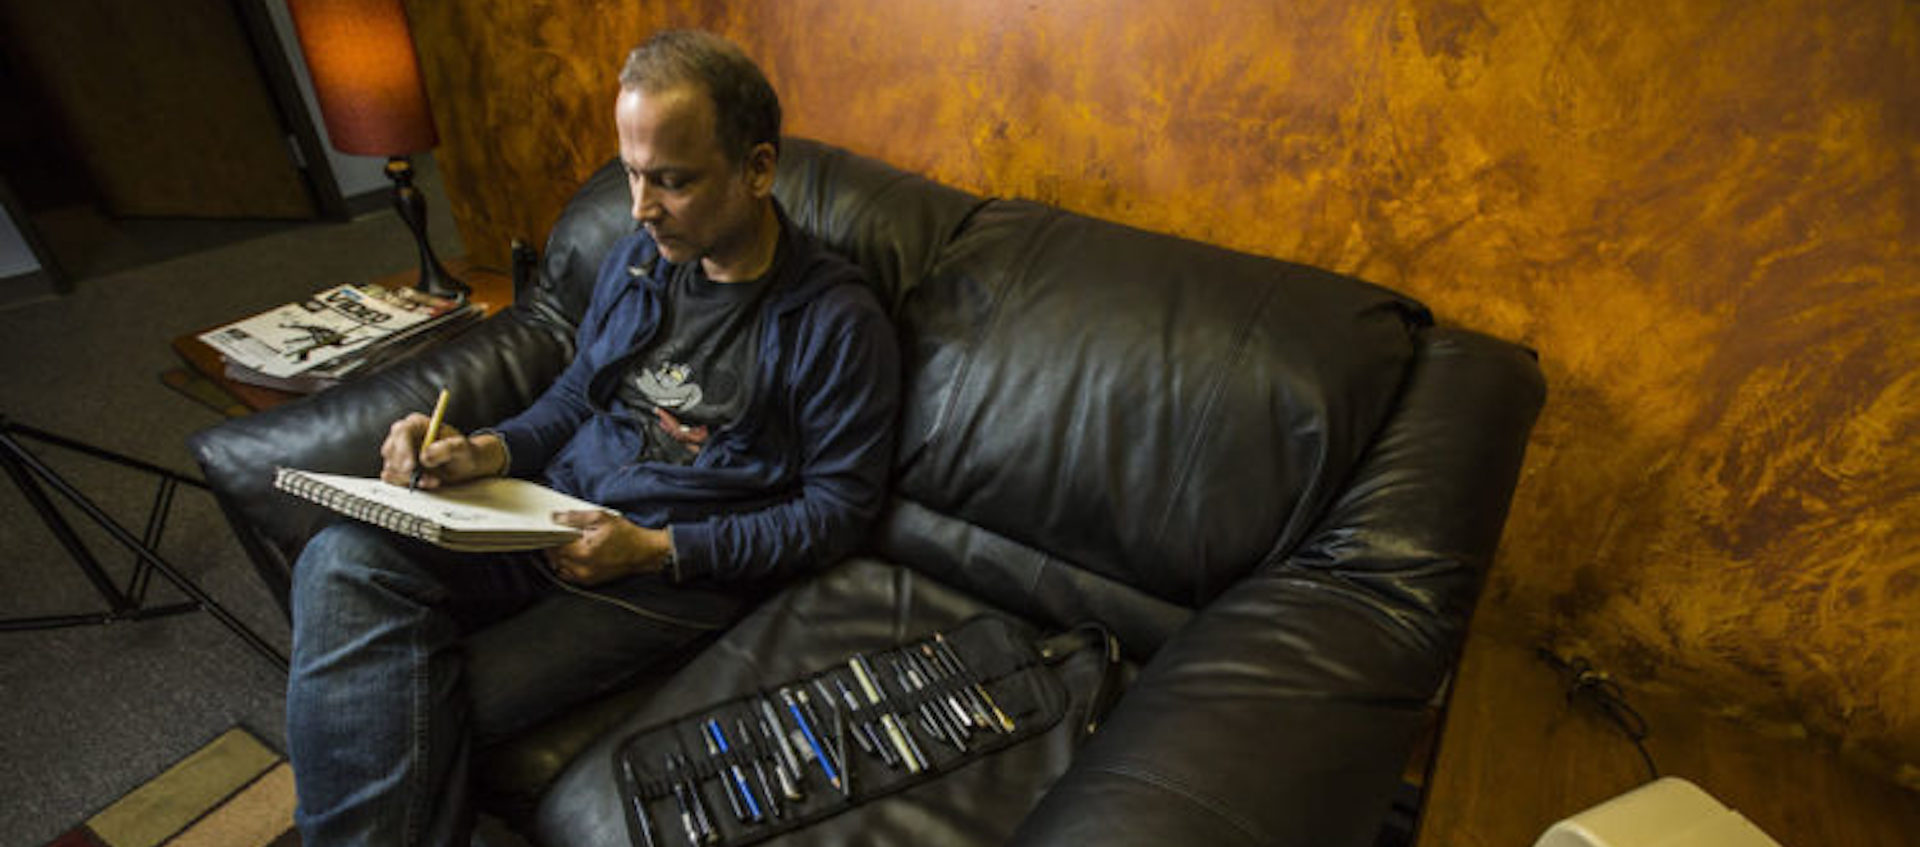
[{"x": 451, "y": 458}]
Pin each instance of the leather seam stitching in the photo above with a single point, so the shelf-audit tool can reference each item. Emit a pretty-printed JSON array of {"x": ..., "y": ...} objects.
[
  {"x": 1186, "y": 792},
  {"x": 1189, "y": 455},
  {"x": 962, "y": 380}
]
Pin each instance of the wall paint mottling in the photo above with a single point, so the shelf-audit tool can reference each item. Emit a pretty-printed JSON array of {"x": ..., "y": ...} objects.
[{"x": 1705, "y": 215}]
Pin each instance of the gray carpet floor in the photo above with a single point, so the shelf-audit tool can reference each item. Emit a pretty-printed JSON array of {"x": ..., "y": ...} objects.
[{"x": 87, "y": 713}]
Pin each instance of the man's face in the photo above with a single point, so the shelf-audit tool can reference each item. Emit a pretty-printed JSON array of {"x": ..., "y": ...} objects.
[{"x": 693, "y": 201}]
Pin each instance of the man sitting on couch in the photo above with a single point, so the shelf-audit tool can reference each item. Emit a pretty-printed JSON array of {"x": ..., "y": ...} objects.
[{"x": 731, "y": 404}]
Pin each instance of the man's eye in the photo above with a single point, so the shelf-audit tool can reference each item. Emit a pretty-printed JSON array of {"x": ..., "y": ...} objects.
[{"x": 663, "y": 182}]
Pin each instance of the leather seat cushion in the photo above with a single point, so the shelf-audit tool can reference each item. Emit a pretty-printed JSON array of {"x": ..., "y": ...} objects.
[{"x": 859, "y": 605}]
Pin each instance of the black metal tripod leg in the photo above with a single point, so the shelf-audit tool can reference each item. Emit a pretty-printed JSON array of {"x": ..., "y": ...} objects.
[
  {"x": 156, "y": 524},
  {"x": 19, "y": 463}
]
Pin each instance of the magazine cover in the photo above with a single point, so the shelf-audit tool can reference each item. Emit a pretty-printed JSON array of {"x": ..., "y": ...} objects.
[
  {"x": 367, "y": 359},
  {"x": 336, "y": 323}
]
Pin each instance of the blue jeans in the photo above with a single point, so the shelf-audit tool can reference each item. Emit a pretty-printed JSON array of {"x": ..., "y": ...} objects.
[{"x": 406, "y": 655}]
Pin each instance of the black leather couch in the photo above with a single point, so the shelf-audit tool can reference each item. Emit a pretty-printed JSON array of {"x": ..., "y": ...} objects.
[{"x": 1279, "y": 490}]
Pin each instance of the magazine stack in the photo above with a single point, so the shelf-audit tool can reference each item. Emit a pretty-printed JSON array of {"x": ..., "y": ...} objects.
[{"x": 341, "y": 332}]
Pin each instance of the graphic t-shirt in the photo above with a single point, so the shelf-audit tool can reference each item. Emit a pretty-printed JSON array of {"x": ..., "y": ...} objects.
[{"x": 700, "y": 367}]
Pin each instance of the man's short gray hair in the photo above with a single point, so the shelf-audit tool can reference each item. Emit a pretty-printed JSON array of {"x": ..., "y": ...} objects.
[{"x": 745, "y": 107}]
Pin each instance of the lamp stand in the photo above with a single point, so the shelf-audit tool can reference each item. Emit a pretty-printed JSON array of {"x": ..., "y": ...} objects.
[{"x": 412, "y": 207}]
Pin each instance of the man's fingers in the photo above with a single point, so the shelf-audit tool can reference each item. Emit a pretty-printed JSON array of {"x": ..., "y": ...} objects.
[
  {"x": 407, "y": 430},
  {"x": 557, "y": 563},
  {"x": 581, "y": 518},
  {"x": 443, "y": 449},
  {"x": 400, "y": 451}
]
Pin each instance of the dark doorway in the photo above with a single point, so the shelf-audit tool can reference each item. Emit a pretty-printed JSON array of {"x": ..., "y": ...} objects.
[{"x": 140, "y": 130}]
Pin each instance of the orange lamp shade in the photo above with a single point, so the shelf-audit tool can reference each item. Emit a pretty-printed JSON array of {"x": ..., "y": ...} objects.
[{"x": 366, "y": 75}]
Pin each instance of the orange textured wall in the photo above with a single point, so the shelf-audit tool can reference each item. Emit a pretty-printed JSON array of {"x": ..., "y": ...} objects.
[{"x": 1705, "y": 215}]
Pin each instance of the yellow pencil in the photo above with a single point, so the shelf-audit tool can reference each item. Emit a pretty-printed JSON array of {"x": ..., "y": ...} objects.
[{"x": 433, "y": 431}]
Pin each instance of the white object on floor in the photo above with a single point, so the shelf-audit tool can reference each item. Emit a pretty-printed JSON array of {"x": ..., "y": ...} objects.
[{"x": 1668, "y": 812}]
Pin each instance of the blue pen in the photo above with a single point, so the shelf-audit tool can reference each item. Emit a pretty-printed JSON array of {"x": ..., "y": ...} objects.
[
  {"x": 806, "y": 729},
  {"x": 739, "y": 778}
]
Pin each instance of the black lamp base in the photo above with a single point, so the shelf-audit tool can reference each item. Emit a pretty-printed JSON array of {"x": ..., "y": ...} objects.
[{"x": 412, "y": 207}]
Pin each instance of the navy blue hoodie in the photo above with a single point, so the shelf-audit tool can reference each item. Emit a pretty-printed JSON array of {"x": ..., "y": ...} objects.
[{"x": 794, "y": 483}]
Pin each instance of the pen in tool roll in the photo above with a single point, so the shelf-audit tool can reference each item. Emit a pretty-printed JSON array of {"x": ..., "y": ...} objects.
[
  {"x": 759, "y": 764},
  {"x": 962, "y": 722},
  {"x": 738, "y": 792},
  {"x": 939, "y": 722},
  {"x": 863, "y": 730},
  {"x": 686, "y": 794},
  {"x": 639, "y": 804},
  {"x": 839, "y": 736},
  {"x": 945, "y": 649}
]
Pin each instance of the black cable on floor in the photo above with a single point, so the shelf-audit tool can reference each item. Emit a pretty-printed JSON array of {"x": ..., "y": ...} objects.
[{"x": 1585, "y": 683}]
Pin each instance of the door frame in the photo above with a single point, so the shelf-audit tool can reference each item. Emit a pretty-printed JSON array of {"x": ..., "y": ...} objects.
[{"x": 276, "y": 68}]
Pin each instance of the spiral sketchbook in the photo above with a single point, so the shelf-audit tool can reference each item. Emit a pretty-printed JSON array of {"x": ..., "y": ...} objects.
[{"x": 486, "y": 515}]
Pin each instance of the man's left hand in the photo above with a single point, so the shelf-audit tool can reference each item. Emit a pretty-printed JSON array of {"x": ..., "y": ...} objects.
[{"x": 609, "y": 547}]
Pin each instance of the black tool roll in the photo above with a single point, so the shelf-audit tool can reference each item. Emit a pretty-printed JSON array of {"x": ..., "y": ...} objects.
[{"x": 753, "y": 767}]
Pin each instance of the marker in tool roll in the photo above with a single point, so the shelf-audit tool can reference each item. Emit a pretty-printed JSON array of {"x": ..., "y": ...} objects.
[{"x": 888, "y": 720}]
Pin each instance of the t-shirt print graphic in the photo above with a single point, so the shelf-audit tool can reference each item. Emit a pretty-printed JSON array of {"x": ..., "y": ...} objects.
[{"x": 667, "y": 386}]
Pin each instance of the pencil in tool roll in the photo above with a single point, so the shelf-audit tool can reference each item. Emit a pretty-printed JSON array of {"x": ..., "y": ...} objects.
[{"x": 813, "y": 741}]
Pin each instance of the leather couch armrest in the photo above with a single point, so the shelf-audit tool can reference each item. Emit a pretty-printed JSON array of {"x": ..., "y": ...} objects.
[
  {"x": 492, "y": 370},
  {"x": 1284, "y": 712}
]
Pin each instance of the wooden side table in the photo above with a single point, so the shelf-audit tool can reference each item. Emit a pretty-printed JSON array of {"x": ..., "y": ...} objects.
[{"x": 491, "y": 288}]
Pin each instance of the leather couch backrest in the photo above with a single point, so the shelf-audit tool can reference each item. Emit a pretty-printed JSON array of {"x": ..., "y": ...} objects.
[
  {"x": 1162, "y": 413},
  {"x": 890, "y": 222},
  {"x": 599, "y": 214}
]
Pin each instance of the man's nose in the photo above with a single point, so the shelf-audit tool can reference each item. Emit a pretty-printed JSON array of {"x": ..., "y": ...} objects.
[{"x": 646, "y": 205}]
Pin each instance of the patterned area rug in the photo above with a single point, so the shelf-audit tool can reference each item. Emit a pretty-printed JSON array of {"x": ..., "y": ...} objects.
[{"x": 234, "y": 792}]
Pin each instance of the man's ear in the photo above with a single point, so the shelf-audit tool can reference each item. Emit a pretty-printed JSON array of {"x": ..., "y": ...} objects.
[{"x": 762, "y": 162}]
